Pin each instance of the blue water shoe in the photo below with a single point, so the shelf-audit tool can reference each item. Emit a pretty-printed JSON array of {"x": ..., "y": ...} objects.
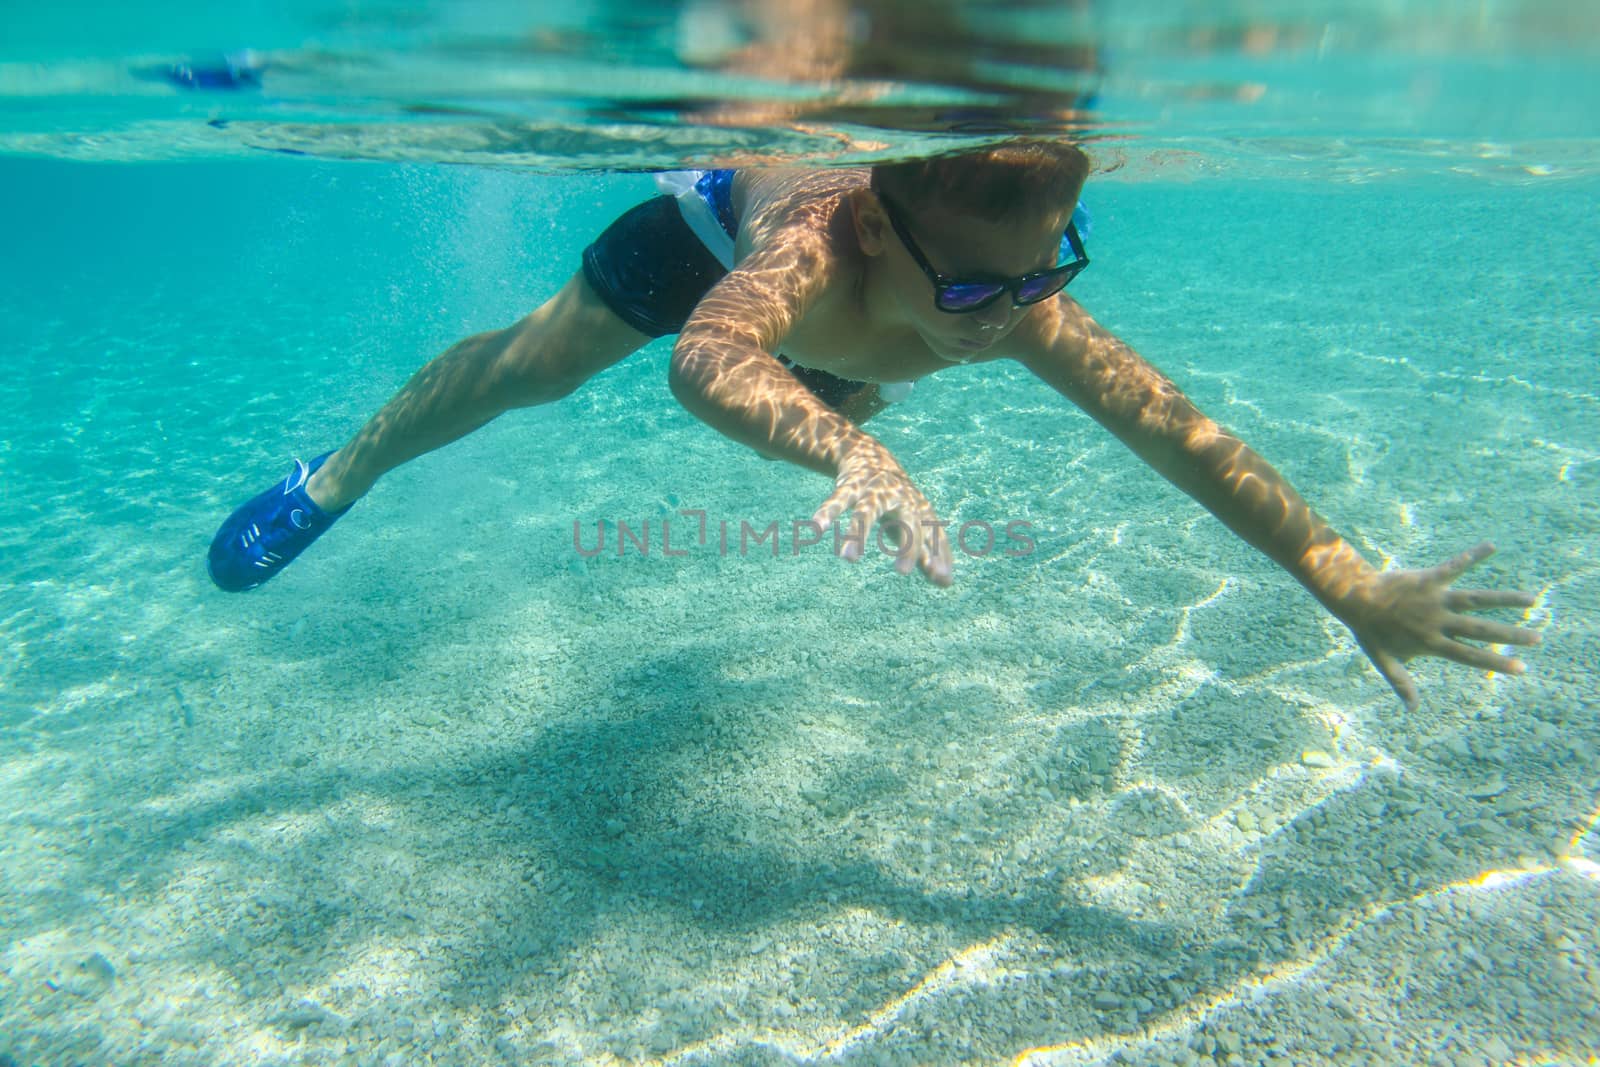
[{"x": 265, "y": 535}]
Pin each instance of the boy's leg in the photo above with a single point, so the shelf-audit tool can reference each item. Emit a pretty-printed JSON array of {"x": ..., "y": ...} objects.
[
  {"x": 544, "y": 357},
  {"x": 641, "y": 278}
]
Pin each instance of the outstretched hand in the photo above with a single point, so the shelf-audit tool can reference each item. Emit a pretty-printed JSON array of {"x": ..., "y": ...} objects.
[
  {"x": 877, "y": 491},
  {"x": 1396, "y": 615}
]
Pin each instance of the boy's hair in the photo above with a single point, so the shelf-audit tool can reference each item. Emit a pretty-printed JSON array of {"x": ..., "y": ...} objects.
[{"x": 1002, "y": 181}]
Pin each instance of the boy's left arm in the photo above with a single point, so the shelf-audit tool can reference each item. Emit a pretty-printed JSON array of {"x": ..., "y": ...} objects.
[{"x": 1394, "y": 614}]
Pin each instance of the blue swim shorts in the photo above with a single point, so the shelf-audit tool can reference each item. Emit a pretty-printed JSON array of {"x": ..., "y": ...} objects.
[{"x": 651, "y": 269}]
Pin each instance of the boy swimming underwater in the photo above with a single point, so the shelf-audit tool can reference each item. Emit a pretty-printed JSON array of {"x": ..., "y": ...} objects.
[{"x": 866, "y": 281}]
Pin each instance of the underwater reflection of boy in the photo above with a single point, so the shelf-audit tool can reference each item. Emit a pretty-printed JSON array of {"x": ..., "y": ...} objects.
[{"x": 867, "y": 281}]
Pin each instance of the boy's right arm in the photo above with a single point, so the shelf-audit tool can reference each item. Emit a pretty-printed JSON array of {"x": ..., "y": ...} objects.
[
  {"x": 724, "y": 373},
  {"x": 1393, "y": 614}
]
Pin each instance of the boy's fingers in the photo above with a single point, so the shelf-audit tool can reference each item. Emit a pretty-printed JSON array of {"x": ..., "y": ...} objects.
[
  {"x": 907, "y": 550},
  {"x": 861, "y": 521},
  {"x": 936, "y": 567},
  {"x": 830, "y": 510},
  {"x": 1455, "y": 568},
  {"x": 1485, "y": 599},
  {"x": 1394, "y": 672},
  {"x": 896, "y": 511},
  {"x": 1481, "y": 658},
  {"x": 1496, "y": 633}
]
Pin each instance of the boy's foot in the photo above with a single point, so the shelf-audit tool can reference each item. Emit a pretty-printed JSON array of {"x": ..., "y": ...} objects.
[{"x": 265, "y": 535}]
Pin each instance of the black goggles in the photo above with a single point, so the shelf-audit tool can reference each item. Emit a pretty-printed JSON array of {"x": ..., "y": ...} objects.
[{"x": 958, "y": 296}]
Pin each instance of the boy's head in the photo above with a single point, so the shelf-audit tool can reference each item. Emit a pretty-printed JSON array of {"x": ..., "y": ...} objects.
[
  {"x": 941, "y": 233},
  {"x": 999, "y": 183}
]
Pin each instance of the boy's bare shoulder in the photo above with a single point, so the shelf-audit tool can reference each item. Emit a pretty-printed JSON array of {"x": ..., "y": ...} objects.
[{"x": 794, "y": 201}]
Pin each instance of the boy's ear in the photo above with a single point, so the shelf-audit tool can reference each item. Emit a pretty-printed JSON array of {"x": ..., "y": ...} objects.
[{"x": 872, "y": 225}]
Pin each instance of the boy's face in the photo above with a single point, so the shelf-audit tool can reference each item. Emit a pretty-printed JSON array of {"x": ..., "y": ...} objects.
[{"x": 963, "y": 247}]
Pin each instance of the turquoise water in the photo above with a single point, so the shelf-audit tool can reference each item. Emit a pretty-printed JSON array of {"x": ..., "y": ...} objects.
[{"x": 444, "y": 792}]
